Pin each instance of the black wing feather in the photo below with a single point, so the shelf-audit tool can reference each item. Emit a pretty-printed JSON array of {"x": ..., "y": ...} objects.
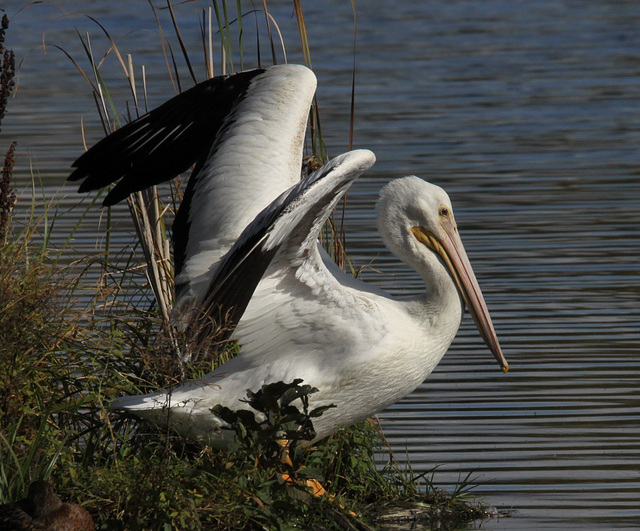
[{"x": 164, "y": 142}]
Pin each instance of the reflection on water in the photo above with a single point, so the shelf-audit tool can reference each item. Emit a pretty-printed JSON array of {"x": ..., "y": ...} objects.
[{"x": 528, "y": 114}]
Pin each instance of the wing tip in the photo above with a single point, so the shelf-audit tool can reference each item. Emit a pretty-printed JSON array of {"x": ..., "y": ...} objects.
[
  {"x": 358, "y": 160},
  {"x": 302, "y": 77},
  {"x": 366, "y": 157},
  {"x": 77, "y": 174}
]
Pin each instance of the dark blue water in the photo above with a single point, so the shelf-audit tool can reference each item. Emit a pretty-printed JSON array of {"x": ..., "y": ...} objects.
[{"x": 529, "y": 115}]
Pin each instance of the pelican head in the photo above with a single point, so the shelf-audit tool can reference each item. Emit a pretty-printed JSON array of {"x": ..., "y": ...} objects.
[{"x": 416, "y": 222}]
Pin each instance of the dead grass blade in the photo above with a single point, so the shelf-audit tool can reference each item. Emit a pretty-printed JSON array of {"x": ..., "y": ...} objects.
[
  {"x": 267, "y": 17},
  {"x": 165, "y": 52},
  {"x": 181, "y": 42}
]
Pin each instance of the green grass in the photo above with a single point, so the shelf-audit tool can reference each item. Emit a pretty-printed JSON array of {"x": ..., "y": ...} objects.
[{"x": 61, "y": 363}]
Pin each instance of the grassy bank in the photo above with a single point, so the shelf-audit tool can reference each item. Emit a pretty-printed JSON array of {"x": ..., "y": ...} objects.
[{"x": 63, "y": 360}]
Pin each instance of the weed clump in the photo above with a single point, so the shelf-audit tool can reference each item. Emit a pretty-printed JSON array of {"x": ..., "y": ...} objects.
[
  {"x": 7, "y": 84},
  {"x": 29, "y": 330}
]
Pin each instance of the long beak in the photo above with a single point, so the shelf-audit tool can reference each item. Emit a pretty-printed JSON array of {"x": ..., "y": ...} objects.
[{"x": 452, "y": 252}]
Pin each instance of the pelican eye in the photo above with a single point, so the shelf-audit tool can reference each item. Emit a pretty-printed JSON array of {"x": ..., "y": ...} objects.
[{"x": 444, "y": 211}]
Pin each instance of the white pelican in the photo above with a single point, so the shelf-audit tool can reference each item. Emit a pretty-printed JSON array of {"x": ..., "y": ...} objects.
[{"x": 246, "y": 241}]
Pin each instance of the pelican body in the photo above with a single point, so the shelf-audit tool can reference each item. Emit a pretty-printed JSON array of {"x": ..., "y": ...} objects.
[{"x": 246, "y": 246}]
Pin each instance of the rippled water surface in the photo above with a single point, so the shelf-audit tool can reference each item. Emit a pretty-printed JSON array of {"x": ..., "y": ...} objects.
[{"x": 528, "y": 113}]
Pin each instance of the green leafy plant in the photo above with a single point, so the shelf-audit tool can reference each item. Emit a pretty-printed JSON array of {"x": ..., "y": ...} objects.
[
  {"x": 278, "y": 419},
  {"x": 269, "y": 437}
]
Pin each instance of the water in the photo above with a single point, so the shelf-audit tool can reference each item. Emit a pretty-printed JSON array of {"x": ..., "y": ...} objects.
[{"x": 528, "y": 114}]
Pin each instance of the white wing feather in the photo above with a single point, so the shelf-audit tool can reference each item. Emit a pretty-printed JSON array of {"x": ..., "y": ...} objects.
[
  {"x": 255, "y": 158},
  {"x": 302, "y": 284}
]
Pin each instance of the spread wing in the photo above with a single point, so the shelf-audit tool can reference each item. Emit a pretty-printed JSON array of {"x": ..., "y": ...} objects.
[
  {"x": 284, "y": 235},
  {"x": 245, "y": 135}
]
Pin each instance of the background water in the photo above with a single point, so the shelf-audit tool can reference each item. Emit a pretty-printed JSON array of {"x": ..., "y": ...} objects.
[{"x": 528, "y": 114}]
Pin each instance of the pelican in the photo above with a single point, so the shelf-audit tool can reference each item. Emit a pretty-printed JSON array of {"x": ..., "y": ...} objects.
[{"x": 246, "y": 242}]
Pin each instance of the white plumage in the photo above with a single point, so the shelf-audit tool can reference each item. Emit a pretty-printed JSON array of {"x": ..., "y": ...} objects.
[
  {"x": 246, "y": 240},
  {"x": 250, "y": 164}
]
